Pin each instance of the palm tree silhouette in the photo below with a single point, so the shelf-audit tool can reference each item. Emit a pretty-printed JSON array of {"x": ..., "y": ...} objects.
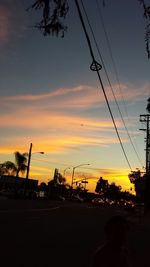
[{"x": 12, "y": 168}]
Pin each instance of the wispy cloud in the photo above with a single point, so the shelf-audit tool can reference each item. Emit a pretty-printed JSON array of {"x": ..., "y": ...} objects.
[
  {"x": 28, "y": 118},
  {"x": 57, "y": 93},
  {"x": 80, "y": 97},
  {"x": 66, "y": 98},
  {"x": 54, "y": 143}
]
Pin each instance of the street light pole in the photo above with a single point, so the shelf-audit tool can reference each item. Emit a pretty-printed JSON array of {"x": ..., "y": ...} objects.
[
  {"x": 73, "y": 171},
  {"x": 29, "y": 160}
]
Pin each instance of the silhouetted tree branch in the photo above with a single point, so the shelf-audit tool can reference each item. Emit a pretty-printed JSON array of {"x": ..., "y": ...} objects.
[
  {"x": 146, "y": 15},
  {"x": 10, "y": 168},
  {"x": 53, "y": 14}
]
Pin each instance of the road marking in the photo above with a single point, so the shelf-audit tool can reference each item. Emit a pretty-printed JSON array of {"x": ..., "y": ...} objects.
[{"x": 44, "y": 209}]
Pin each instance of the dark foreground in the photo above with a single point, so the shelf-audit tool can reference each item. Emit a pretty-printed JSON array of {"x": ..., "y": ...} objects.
[{"x": 48, "y": 233}]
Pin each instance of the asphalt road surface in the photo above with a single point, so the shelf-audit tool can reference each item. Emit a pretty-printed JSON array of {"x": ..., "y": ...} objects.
[{"x": 49, "y": 233}]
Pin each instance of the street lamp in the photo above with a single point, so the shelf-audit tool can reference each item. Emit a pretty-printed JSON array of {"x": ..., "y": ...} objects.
[
  {"x": 73, "y": 171},
  {"x": 29, "y": 159},
  {"x": 65, "y": 170}
]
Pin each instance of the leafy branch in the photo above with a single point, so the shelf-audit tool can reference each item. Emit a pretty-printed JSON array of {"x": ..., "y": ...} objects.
[
  {"x": 53, "y": 13},
  {"x": 146, "y": 15}
]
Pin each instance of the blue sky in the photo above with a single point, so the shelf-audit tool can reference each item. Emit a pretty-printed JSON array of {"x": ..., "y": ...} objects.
[{"x": 50, "y": 97}]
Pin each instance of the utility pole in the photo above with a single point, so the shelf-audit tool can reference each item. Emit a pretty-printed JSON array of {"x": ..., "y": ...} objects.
[
  {"x": 29, "y": 158},
  {"x": 146, "y": 119}
]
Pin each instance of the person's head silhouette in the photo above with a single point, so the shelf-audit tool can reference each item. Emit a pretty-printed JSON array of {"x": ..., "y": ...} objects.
[{"x": 114, "y": 252}]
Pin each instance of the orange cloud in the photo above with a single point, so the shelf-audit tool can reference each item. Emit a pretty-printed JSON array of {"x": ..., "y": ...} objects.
[
  {"x": 125, "y": 88},
  {"x": 38, "y": 120},
  {"x": 82, "y": 96},
  {"x": 51, "y": 129},
  {"x": 54, "y": 144}
]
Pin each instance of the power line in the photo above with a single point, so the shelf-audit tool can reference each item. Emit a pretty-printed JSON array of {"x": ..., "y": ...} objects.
[
  {"x": 95, "y": 66},
  {"x": 111, "y": 55},
  {"x": 117, "y": 77},
  {"x": 111, "y": 85}
]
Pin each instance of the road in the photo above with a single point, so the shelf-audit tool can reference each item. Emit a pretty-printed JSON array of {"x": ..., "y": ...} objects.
[{"x": 49, "y": 233}]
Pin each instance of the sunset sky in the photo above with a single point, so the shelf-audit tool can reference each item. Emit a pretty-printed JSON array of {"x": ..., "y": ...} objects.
[{"x": 50, "y": 97}]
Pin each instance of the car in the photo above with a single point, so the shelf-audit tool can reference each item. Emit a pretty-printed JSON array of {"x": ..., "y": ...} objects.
[{"x": 98, "y": 202}]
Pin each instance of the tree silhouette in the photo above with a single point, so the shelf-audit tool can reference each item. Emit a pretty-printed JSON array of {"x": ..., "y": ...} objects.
[
  {"x": 57, "y": 186},
  {"x": 106, "y": 190},
  {"x": 21, "y": 161},
  {"x": 113, "y": 192},
  {"x": 146, "y": 15},
  {"x": 61, "y": 179},
  {"x": 12, "y": 168},
  {"x": 58, "y": 177},
  {"x": 8, "y": 168},
  {"x": 53, "y": 14},
  {"x": 101, "y": 186}
]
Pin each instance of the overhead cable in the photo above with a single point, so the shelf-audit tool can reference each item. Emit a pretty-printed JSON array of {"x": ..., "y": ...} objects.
[
  {"x": 116, "y": 73},
  {"x": 100, "y": 55},
  {"x": 97, "y": 67}
]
